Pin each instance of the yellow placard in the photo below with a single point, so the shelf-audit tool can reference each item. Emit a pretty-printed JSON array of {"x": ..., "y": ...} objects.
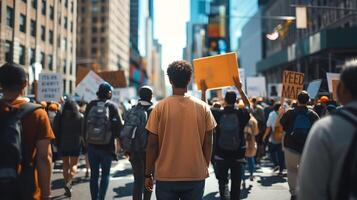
[
  {"x": 293, "y": 84},
  {"x": 334, "y": 89},
  {"x": 217, "y": 71}
]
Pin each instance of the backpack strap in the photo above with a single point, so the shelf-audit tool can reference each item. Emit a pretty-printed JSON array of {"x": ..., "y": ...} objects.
[
  {"x": 348, "y": 176},
  {"x": 26, "y": 109}
]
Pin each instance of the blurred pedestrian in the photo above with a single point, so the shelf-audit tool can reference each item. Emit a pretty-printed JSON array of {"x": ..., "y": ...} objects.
[
  {"x": 328, "y": 164},
  {"x": 180, "y": 140},
  {"x": 250, "y": 132},
  {"x": 102, "y": 130},
  {"x": 69, "y": 133},
  {"x": 296, "y": 123}
]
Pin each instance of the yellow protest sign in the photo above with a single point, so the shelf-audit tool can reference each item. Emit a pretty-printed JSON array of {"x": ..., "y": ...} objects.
[
  {"x": 293, "y": 84},
  {"x": 218, "y": 71},
  {"x": 334, "y": 89}
]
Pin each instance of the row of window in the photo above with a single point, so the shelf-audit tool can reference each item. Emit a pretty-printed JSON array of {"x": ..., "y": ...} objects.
[{"x": 43, "y": 7}]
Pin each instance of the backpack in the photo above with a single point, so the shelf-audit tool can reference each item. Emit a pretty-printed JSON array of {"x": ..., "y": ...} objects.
[
  {"x": 229, "y": 138},
  {"x": 348, "y": 178},
  {"x": 134, "y": 135},
  {"x": 296, "y": 139},
  {"x": 12, "y": 151},
  {"x": 98, "y": 124}
]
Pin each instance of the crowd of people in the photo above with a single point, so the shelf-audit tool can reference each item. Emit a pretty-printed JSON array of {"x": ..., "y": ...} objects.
[{"x": 173, "y": 142}]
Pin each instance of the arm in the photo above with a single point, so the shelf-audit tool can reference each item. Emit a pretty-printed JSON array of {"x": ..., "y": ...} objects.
[
  {"x": 44, "y": 167},
  {"x": 238, "y": 85},
  {"x": 266, "y": 134},
  {"x": 207, "y": 146},
  {"x": 152, "y": 152},
  {"x": 203, "y": 90}
]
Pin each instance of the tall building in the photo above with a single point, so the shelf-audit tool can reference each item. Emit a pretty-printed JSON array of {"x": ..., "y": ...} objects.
[
  {"x": 41, "y": 31},
  {"x": 327, "y": 44},
  {"x": 103, "y": 34},
  {"x": 157, "y": 77}
]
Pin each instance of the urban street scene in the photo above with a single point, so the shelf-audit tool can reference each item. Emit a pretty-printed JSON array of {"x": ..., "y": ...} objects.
[{"x": 178, "y": 99}]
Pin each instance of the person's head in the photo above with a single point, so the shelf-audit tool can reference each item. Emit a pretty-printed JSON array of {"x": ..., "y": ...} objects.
[
  {"x": 303, "y": 97},
  {"x": 70, "y": 107},
  {"x": 179, "y": 73},
  {"x": 230, "y": 98},
  {"x": 13, "y": 78},
  {"x": 276, "y": 107},
  {"x": 145, "y": 93},
  {"x": 105, "y": 91},
  {"x": 347, "y": 88}
]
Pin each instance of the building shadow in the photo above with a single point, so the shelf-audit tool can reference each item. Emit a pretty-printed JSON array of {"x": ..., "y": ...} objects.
[{"x": 125, "y": 191}]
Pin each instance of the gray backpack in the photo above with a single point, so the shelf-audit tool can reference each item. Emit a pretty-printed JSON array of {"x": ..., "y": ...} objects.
[
  {"x": 229, "y": 137},
  {"x": 134, "y": 135},
  {"x": 98, "y": 124}
]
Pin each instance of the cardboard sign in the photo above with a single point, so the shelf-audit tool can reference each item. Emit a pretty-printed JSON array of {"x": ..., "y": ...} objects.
[
  {"x": 124, "y": 94},
  {"x": 115, "y": 78},
  {"x": 330, "y": 77},
  {"x": 334, "y": 89},
  {"x": 88, "y": 87},
  {"x": 293, "y": 84},
  {"x": 313, "y": 88},
  {"x": 256, "y": 87},
  {"x": 274, "y": 89},
  {"x": 50, "y": 87},
  {"x": 217, "y": 71},
  {"x": 81, "y": 73}
]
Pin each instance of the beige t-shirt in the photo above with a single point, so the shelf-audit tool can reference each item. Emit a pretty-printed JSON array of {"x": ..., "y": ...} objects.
[{"x": 181, "y": 122}]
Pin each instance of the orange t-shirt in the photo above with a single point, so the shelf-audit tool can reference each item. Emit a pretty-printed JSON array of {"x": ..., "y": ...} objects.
[
  {"x": 36, "y": 126},
  {"x": 181, "y": 122}
]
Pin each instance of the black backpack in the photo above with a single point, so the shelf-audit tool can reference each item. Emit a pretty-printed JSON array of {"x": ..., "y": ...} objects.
[
  {"x": 348, "y": 178},
  {"x": 230, "y": 134},
  {"x": 12, "y": 150}
]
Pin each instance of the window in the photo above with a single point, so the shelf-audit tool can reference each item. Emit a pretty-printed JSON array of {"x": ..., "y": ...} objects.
[
  {"x": 66, "y": 3},
  {"x": 22, "y": 23},
  {"x": 83, "y": 10},
  {"x": 65, "y": 24},
  {"x": 104, "y": 9},
  {"x": 64, "y": 66},
  {"x": 32, "y": 56},
  {"x": 43, "y": 8},
  {"x": 50, "y": 62},
  {"x": 94, "y": 50},
  {"x": 94, "y": 29},
  {"x": 43, "y": 33},
  {"x": 70, "y": 86},
  {"x": 34, "y": 4},
  {"x": 95, "y": 7},
  {"x": 42, "y": 59},
  {"x": 64, "y": 86},
  {"x": 8, "y": 45},
  {"x": 94, "y": 20},
  {"x": 22, "y": 55},
  {"x": 52, "y": 13},
  {"x": 25, "y": 1},
  {"x": 102, "y": 40},
  {"x": 102, "y": 29},
  {"x": 33, "y": 28},
  {"x": 103, "y": 19},
  {"x": 70, "y": 68},
  {"x": 72, "y": 27},
  {"x": 50, "y": 37},
  {"x": 9, "y": 16},
  {"x": 94, "y": 40},
  {"x": 72, "y": 7}
]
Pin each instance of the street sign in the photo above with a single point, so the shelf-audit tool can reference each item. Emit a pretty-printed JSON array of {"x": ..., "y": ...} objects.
[
  {"x": 293, "y": 84},
  {"x": 88, "y": 87},
  {"x": 50, "y": 87}
]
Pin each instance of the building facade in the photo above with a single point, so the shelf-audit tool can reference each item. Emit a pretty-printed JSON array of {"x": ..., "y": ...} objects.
[
  {"x": 40, "y": 31},
  {"x": 327, "y": 45},
  {"x": 103, "y": 35}
]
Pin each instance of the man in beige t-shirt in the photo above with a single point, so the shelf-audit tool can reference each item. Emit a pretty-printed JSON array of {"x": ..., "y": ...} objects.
[{"x": 180, "y": 140}]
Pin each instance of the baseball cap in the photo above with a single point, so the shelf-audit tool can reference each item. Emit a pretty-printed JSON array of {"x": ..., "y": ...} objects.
[{"x": 105, "y": 88}]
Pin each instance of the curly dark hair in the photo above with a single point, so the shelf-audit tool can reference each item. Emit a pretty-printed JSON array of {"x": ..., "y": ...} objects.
[{"x": 180, "y": 73}]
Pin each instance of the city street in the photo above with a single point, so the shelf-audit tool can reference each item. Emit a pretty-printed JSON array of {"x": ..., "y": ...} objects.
[{"x": 267, "y": 185}]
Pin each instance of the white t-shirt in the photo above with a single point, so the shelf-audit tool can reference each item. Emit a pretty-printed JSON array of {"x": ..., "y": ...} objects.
[{"x": 271, "y": 123}]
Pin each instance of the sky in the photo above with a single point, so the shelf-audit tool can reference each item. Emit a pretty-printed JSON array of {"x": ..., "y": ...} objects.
[{"x": 170, "y": 28}]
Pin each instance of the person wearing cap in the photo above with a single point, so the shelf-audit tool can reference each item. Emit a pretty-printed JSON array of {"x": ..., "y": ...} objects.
[
  {"x": 102, "y": 155},
  {"x": 37, "y": 136}
]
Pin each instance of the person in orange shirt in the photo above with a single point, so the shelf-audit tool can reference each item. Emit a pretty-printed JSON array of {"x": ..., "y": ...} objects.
[{"x": 33, "y": 180}]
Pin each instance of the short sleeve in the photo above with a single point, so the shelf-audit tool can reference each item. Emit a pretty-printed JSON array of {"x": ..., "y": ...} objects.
[
  {"x": 270, "y": 121},
  {"x": 44, "y": 130},
  {"x": 209, "y": 121},
  {"x": 153, "y": 122}
]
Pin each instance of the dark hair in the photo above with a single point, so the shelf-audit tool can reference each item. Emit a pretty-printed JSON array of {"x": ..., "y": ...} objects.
[
  {"x": 104, "y": 91},
  {"x": 276, "y": 106},
  {"x": 71, "y": 108},
  {"x": 145, "y": 93},
  {"x": 12, "y": 76},
  {"x": 231, "y": 97},
  {"x": 303, "y": 97},
  {"x": 349, "y": 79},
  {"x": 179, "y": 73}
]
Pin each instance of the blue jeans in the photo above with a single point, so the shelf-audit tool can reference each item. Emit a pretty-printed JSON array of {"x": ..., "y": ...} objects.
[
  {"x": 103, "y": 159},
  {"x": 251, "y": 165},
  {"x": 183, "y": 190},
  {"x": 277, "y": 155}
]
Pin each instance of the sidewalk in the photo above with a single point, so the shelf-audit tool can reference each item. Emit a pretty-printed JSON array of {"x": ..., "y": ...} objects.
[{"x": 266, "y": 185}]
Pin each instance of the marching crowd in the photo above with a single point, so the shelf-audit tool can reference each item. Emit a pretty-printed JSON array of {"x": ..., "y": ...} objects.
[{"x": 172, "y": 143}]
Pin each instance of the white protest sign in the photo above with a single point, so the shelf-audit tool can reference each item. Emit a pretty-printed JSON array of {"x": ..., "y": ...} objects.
[
  {"x": 313, "y": 88},
  {"x": 50, "y": 87},
  {"x": 256, "y": 87},
  {"x": 330, "y": 77},
  {"x": 274, "y": 89},
  {"x": 88, "y": 87},
  {"x": 123, "y": 94}
]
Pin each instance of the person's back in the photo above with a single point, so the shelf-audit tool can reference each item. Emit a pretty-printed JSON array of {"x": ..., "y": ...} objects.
[{"x": 326, "y": 149}]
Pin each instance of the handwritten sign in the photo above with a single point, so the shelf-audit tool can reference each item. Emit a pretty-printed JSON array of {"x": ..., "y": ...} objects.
[
  {"x": 217, "y": 71},
  {"x": 88, "y": 87},
  {"x": 293, "y": 84},
  {"x": 123, "y": 94},
  {"x": 50, "y": 87}
]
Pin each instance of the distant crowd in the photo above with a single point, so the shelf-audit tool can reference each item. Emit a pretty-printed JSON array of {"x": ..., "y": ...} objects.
[{"x": 172, "y": 143}]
